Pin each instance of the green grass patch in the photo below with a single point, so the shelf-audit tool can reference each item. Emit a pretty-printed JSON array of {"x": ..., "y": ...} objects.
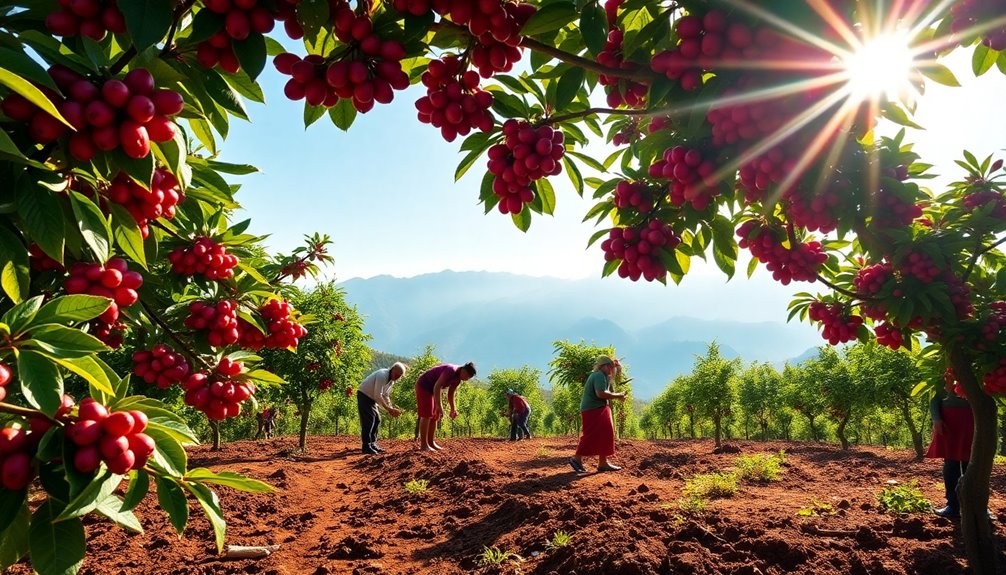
[
  {"x": 760, "y": 467},
  {"x": 904, "y": 498},
  {"x": 417, "y": 487},
  {"x": 493, "y": 556}
]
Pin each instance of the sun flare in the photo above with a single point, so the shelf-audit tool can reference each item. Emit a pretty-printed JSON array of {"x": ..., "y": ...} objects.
[{"x": 882, "y": 66}]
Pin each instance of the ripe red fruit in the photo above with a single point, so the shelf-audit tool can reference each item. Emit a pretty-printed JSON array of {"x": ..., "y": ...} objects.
[
  {"x": 142, "y": 445},
  {"x": 115, "y": 93},
  {"x": 161, "y": 129},
  {"x": 87, "y": 459},
  {"x": 118, "y": 424},
  {"x": 121, "y": 463},
  {"x": 5, "y": 374},
  {"x": 134, "y": 139},
  {"x": 91, "y": 409},
  {"x": 237, "y": 24},
  {"x": 168, "y": 102},
  {"x": 112, "y": 446},
  {"x": 16, "y": 472},
  {"x": 140, "y": 82},
  {"x": 140, "y": 108},
  {"x": 84, "y": 432}
]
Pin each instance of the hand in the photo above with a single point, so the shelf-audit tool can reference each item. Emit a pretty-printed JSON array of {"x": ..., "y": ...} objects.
[
  {"x": 438, "y": 412},
  {"x": 395, "y": 412},
  {"x": 454, "y": 414}
]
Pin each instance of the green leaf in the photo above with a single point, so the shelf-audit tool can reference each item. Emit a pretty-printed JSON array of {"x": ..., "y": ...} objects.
[
  {"x": 263, "y": 376},
  {"x": 65, "y": 341},
  {"x": 573, "y": 173},
  {"x": 88, "y": 499},
  {"x": 234, "y": 169},
  {"x": 139, "y": 484},
  {"x": 569, "y": 84},
  {"x": 42, "y": 216},
  {"x": 90, "y": 368},
  {"x": 522, "y": 220},
  {"x": 147, "y": 22},
  {"x": 251, "y": 53},
  {"x": 169, "y": 453},
  {"x": 939, "y": 74},
  {"x": 312, "y": 114},
  {"x": 594, "y": 27},
  {"x": 550, "y": 17},
  {"x": 253, "y": 272},
  {"x": 723, "y": 261},
  {"x": 140, "y": 169},
  {"x": 71, "y": 308},
  {"x": 127, "y": 234},
  {"x": 111, "y": 507},
  {"x": 228, "y": 479},
  {"x": 56, "y": 548},
  {"x": 14, "y": 275},
  {"x": 20, "y": 63},
  {"x": 224, "y": 95},
  {"x": 173, "y": 154},
  {"x": 93, "y": 225},
  {"x": 343, "y": 114},
  {"x": 9, "y": 148},
  {"x": 204, "y": 134},
  {"x": 982, "y": 59},
  {"x": 14, "y": 540},
  {"x": 467, "y": 162},
  {"x": 10, "y": 503},
  {"x": 211, "y": 506},
  {"x": 204, "y": 25},
  {"x": 40, "y": 382},
  {"x": 897, "y": 115},
  {"x": 19, "y": 317},
  {"x": 752, "y": 266},
  {"x": 547, "y": 195},
  {"x": 31, "y": 93},
  {"x": 313, "y": 15},
  {"x": 172, "y": 500},
  {"x": 610, "y": 268}
]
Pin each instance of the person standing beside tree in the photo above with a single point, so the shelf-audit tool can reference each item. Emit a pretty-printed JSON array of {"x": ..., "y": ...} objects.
[
  {"x": 598, "y": 430},
  {"x": 429, "y": 398},
  {"x": 519, "y": 411},
  {"x": 376, "y": 391},
  {"x": 953, "y": 431}
]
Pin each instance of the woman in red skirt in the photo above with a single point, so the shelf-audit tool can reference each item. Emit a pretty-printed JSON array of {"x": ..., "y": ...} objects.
[
  {"x": 953, "y": 430},
  {"x": 598, "y": 430}
]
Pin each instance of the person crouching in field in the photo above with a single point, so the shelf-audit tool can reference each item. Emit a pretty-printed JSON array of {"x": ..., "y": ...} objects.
[
  {"x": 376, "y": 391},
  {"x": 598, "y": 429},
  {"x": 429, "y": 398},
  {"x": 519, "y": 411},
  {"x": 266, "y": 422}
]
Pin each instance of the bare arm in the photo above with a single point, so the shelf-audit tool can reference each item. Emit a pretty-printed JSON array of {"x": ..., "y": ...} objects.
[
  {"x": 438, "y": 400},
  {"x": 450, "y": 399}
]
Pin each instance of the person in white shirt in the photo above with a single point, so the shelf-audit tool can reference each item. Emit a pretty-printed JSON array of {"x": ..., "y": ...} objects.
[{"x": 376, "y": 390}]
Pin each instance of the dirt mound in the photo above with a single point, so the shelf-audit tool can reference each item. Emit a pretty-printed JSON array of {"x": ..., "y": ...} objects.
[{"x": 339, "y": 512}]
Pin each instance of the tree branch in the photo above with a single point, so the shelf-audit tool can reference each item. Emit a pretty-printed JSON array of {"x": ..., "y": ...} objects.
[
  {"x": 123, "y": 59},
  {"x": 23, "y": 411},
  {"x": 842, "y": 290},
  {"x": 585, "y": 63},
  {"x": 196, "y": 358},
  {"x": 610, "y": 111},
  {"x": 979, "y": 253}
]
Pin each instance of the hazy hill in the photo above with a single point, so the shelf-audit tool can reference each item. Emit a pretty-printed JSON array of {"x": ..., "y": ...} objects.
[{"x": 507, "y": 320}]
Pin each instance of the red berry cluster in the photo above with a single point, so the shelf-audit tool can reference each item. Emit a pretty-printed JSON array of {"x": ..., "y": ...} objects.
[
  {"x": 995, "y": 381},
  {"x": 160, "y": 366},
  {"x": 112, "y": 280},
  {"x": 889, "y": 335},
  {"x": 218, "y": 51},
  {"x": 283, "y": 331},
  {"x": 995, "y": 322},
  {"x": 205, "y": 257},
  {"x": 490, "y": 57},
  {"x": 488, "y": 20},
  {"x": 746, "y": 120},
  {"x": 42, "y": 127},
  {"x": 757, "y": 176},
  {"x": 920, "y": 266},
  {"x": 220, "y": 319},
  {"x": 702, "y": 41},
  {"x": 242, "y": 17},
  {"x": 690, "y": 172},
  {"x": 526, "y": 154},
  {"x": 840, "y": 326},
  {"x": 116, "y": 438},
  {"x": 952, "y": 385},
  {"x": 5, "y": 376},
  {"x": 799, "y": 262},
  {"x": 871, "y": 279},
  {"x": 627, "y": 92},
  {"x": 893, "y": 209},
  {"x": 295, "y": 270},
  {"x": 143, "y": 204},
  {"x": 40, "y": 261},
  {"x": 971, "y": 15},
  {"x": 959, "y": 295},
  {"x": 287, "y": 14},
  {"x": 453, "y": 101},
  {"x": 216, "y": 394},
  {"x": 325, "y": 384},
  {"x": 980, "y": 199},
  {"x": 128, "y": 113},
  {"x": 111, "y": 334},
  {"x": 91, "y": 18},
  {"x": 414, "y": 7},
  {"x": 307, "y": 79},
  {"x": 636, "y": 195},
  {"x": 638, "y": 248},
  {"x": 17, "y": 449}
]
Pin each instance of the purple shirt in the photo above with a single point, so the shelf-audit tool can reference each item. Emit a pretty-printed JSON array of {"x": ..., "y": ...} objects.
[{"x": 429, "y": 379}]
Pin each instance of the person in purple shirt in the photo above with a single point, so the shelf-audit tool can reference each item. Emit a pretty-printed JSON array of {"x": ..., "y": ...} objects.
[{"x": 429, "y": 398}]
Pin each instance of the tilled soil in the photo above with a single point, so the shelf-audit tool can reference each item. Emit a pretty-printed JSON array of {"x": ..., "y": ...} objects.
[{"x": 336, "y": 511}]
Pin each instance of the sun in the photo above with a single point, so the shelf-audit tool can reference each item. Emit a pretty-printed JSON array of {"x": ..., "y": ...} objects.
[{"x": 880, "y": 67}]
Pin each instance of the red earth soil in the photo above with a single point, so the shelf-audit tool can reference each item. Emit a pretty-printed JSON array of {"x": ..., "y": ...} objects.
[{"x": 337, "y": 511}]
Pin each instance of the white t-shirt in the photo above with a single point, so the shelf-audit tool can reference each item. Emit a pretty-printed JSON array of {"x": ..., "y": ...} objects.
[{"x": 377, "y": 386}]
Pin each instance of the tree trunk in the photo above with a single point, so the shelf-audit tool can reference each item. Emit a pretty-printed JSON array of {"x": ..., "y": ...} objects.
[
  {"x": 691, "y": 425},
  {"x": 764, "y": 429},
  {"x": 215, "y": 434},
  {"x": 1002, "y": 437},
  {"x": 973, "y": 488},
  {"x": 841, "y": 433},
  {"x": 906, "y": 414},
  {"x": 305, "y": 415},
  {"x": 716, "y": 424},
  {"x": 813, "y": 431}
]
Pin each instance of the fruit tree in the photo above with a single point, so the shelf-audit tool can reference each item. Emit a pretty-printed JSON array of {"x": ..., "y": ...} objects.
[{"x": 733, "y": 124}]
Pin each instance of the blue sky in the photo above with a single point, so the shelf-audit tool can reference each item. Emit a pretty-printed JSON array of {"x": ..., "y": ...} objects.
[{"x": 385, "y": 190}]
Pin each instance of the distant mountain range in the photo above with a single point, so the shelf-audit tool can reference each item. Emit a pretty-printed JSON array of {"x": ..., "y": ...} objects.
[{"x": 504, "y": 320}]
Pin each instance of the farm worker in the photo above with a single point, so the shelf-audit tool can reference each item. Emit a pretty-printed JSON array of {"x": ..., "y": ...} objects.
[
  {"x": 430, "y": 402},
  {"x": 266, "y": 422},
  {"x": 598, "y": 429},
  {"x": 376, "y": 390},
  {"x": 953, "y": 430},
  {"x": 519, "y": 411}
]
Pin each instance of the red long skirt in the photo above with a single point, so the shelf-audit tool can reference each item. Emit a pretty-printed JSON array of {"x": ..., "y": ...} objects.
[
  {"x": 598, "y": 433},
  {"x": 958, "y": 431}
]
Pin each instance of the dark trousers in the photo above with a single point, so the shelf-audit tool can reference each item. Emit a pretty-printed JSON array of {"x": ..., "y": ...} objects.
[
  {"x": 952, "y": 472},
  {"x": 370, "y": 419},
  {"x": 518, "y": 425}
]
